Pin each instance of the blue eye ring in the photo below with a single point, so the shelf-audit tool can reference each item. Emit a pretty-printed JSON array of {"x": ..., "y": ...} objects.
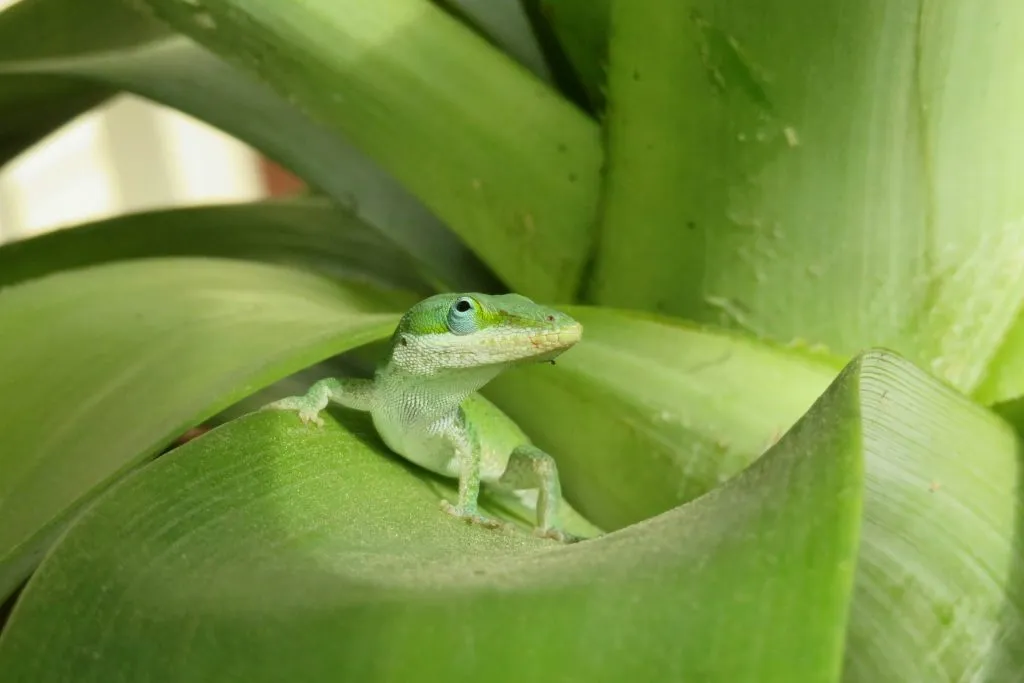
[{"x": 462, "y": 316}]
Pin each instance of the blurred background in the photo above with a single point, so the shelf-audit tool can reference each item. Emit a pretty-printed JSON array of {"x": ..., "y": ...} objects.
[{"x": 129, "y": 155}]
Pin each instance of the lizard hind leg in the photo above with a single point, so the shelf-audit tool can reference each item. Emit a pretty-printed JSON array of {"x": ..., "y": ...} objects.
[{"x": 531, "y": 468}]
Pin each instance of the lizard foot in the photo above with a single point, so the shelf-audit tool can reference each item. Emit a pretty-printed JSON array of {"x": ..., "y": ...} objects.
[
  {"x": 471, "y": 517},
  {"x": 557, "y": 535},
  {"x": 307, "y": 413}
]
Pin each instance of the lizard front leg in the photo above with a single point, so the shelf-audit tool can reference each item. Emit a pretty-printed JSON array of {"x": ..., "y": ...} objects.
[
  {"x": 349, "y": 392},
  {"x": 468, "y": 456}
]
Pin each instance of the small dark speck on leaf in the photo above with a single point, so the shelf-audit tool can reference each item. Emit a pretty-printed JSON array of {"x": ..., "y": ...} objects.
[
  {"x": 562, "y": 147},
  {"x": 691, "y": 225},
  {"x": 572, "y": 177},
  {"x": 636, "y": 75}
]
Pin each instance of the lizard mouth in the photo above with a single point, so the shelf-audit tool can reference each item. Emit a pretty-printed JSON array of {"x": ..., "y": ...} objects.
[{"x": 551, "y": 344}]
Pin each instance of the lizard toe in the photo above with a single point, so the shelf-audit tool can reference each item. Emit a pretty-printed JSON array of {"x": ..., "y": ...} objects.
[{"x": 471, "y": 517}]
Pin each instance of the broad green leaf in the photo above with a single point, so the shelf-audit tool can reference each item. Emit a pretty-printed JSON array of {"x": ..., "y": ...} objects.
[
  {"x": 311, "y": 233},
  {"x": 653, "y": 413},
  {"x": 938, "y": 590},
  {"x": 101, "y": 367},
  {"x": 499, "y": 156},
  {"x": 648, "y": 413},
  {"x": 178, "y": 73},
  {"x": 846, "y": 173},
  {"x": 276, "y": 551},
  {"x": 34, "y": 29}
]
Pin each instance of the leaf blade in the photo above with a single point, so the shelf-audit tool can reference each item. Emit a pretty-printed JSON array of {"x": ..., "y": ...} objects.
[
  {"x": 519, "y": 189},
  {"x": 211, "y": 331},
  {"x": 728, "y": 148},
  {"x": 178, "y": 73},
  {"x": 310, "y": 232},
  {"x": 406, "y": 565}
]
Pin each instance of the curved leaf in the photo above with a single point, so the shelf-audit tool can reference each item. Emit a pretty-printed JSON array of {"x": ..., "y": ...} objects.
[
  {"x": 937, "y": 594},
  {"x": 650, "y": 413},
  {"x": 848, "y": 173},
  {"x": 180, "y": 74},
  {"x": 272, "y": 551},
  {"x": 308, "y": 232},
  {"x": 101, "y": 367},
  {"x": 503, "y": 159},
  {"x": 653, "y": 413}
]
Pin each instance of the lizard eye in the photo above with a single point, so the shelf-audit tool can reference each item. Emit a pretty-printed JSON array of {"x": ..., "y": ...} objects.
[{"x": 461, "y": 316}]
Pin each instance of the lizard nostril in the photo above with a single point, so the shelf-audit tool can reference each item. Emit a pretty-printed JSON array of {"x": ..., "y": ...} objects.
[{"x": 551, "y": 318}]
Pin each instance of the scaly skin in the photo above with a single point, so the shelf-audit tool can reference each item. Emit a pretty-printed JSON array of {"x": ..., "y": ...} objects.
[{"x": 424, "y": 404}]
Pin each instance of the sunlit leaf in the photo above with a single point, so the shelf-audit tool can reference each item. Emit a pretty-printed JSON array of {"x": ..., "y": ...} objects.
[
  {"x": 103, "y": 366},
  {"x": 646, "y": 413},
  {"x": 846, "y": 173},
  {"x": 503, "y": 159}
]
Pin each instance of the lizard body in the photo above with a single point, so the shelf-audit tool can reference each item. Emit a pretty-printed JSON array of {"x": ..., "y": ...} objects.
[{"x": 424, "y": 404}]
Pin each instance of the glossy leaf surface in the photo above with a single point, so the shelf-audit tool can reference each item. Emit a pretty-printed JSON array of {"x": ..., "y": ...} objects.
[{"x": 506, "y": 162}]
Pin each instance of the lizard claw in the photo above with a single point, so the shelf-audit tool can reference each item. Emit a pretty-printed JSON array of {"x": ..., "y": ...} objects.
[
  {"x": 471, "y": 517},
  {"x": 557, "y": 535},
  {"x": 313, "y": 416}
]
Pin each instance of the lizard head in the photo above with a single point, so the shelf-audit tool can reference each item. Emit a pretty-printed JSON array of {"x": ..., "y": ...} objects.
[{"x": 453, "y": 331}]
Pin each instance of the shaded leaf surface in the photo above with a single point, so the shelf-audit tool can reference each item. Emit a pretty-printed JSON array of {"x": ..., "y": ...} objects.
[
  {"x": 103, "y": 366},
  {"x": 178, "y": 73},
  {"x": 581, "y": 27},
  {"x": 35, "y": 29},
  {"x": 308, "y": 232},
  {"x": 504, "y": 23},
  {"x": 653, "y": 413}
]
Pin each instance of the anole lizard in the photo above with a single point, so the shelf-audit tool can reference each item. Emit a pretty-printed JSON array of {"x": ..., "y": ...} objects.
[{"x": 424, "y": 403}]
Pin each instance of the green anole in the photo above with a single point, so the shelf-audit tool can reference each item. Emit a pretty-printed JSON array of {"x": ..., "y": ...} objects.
[{"x": 424, "y": 403}]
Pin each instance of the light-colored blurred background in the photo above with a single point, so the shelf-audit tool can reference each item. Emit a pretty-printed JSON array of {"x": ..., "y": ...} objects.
[{"x": 128, "y": 155}]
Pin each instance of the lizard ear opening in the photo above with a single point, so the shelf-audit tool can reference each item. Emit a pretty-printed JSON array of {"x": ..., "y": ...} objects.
[{"x": 462, "y": 316}]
